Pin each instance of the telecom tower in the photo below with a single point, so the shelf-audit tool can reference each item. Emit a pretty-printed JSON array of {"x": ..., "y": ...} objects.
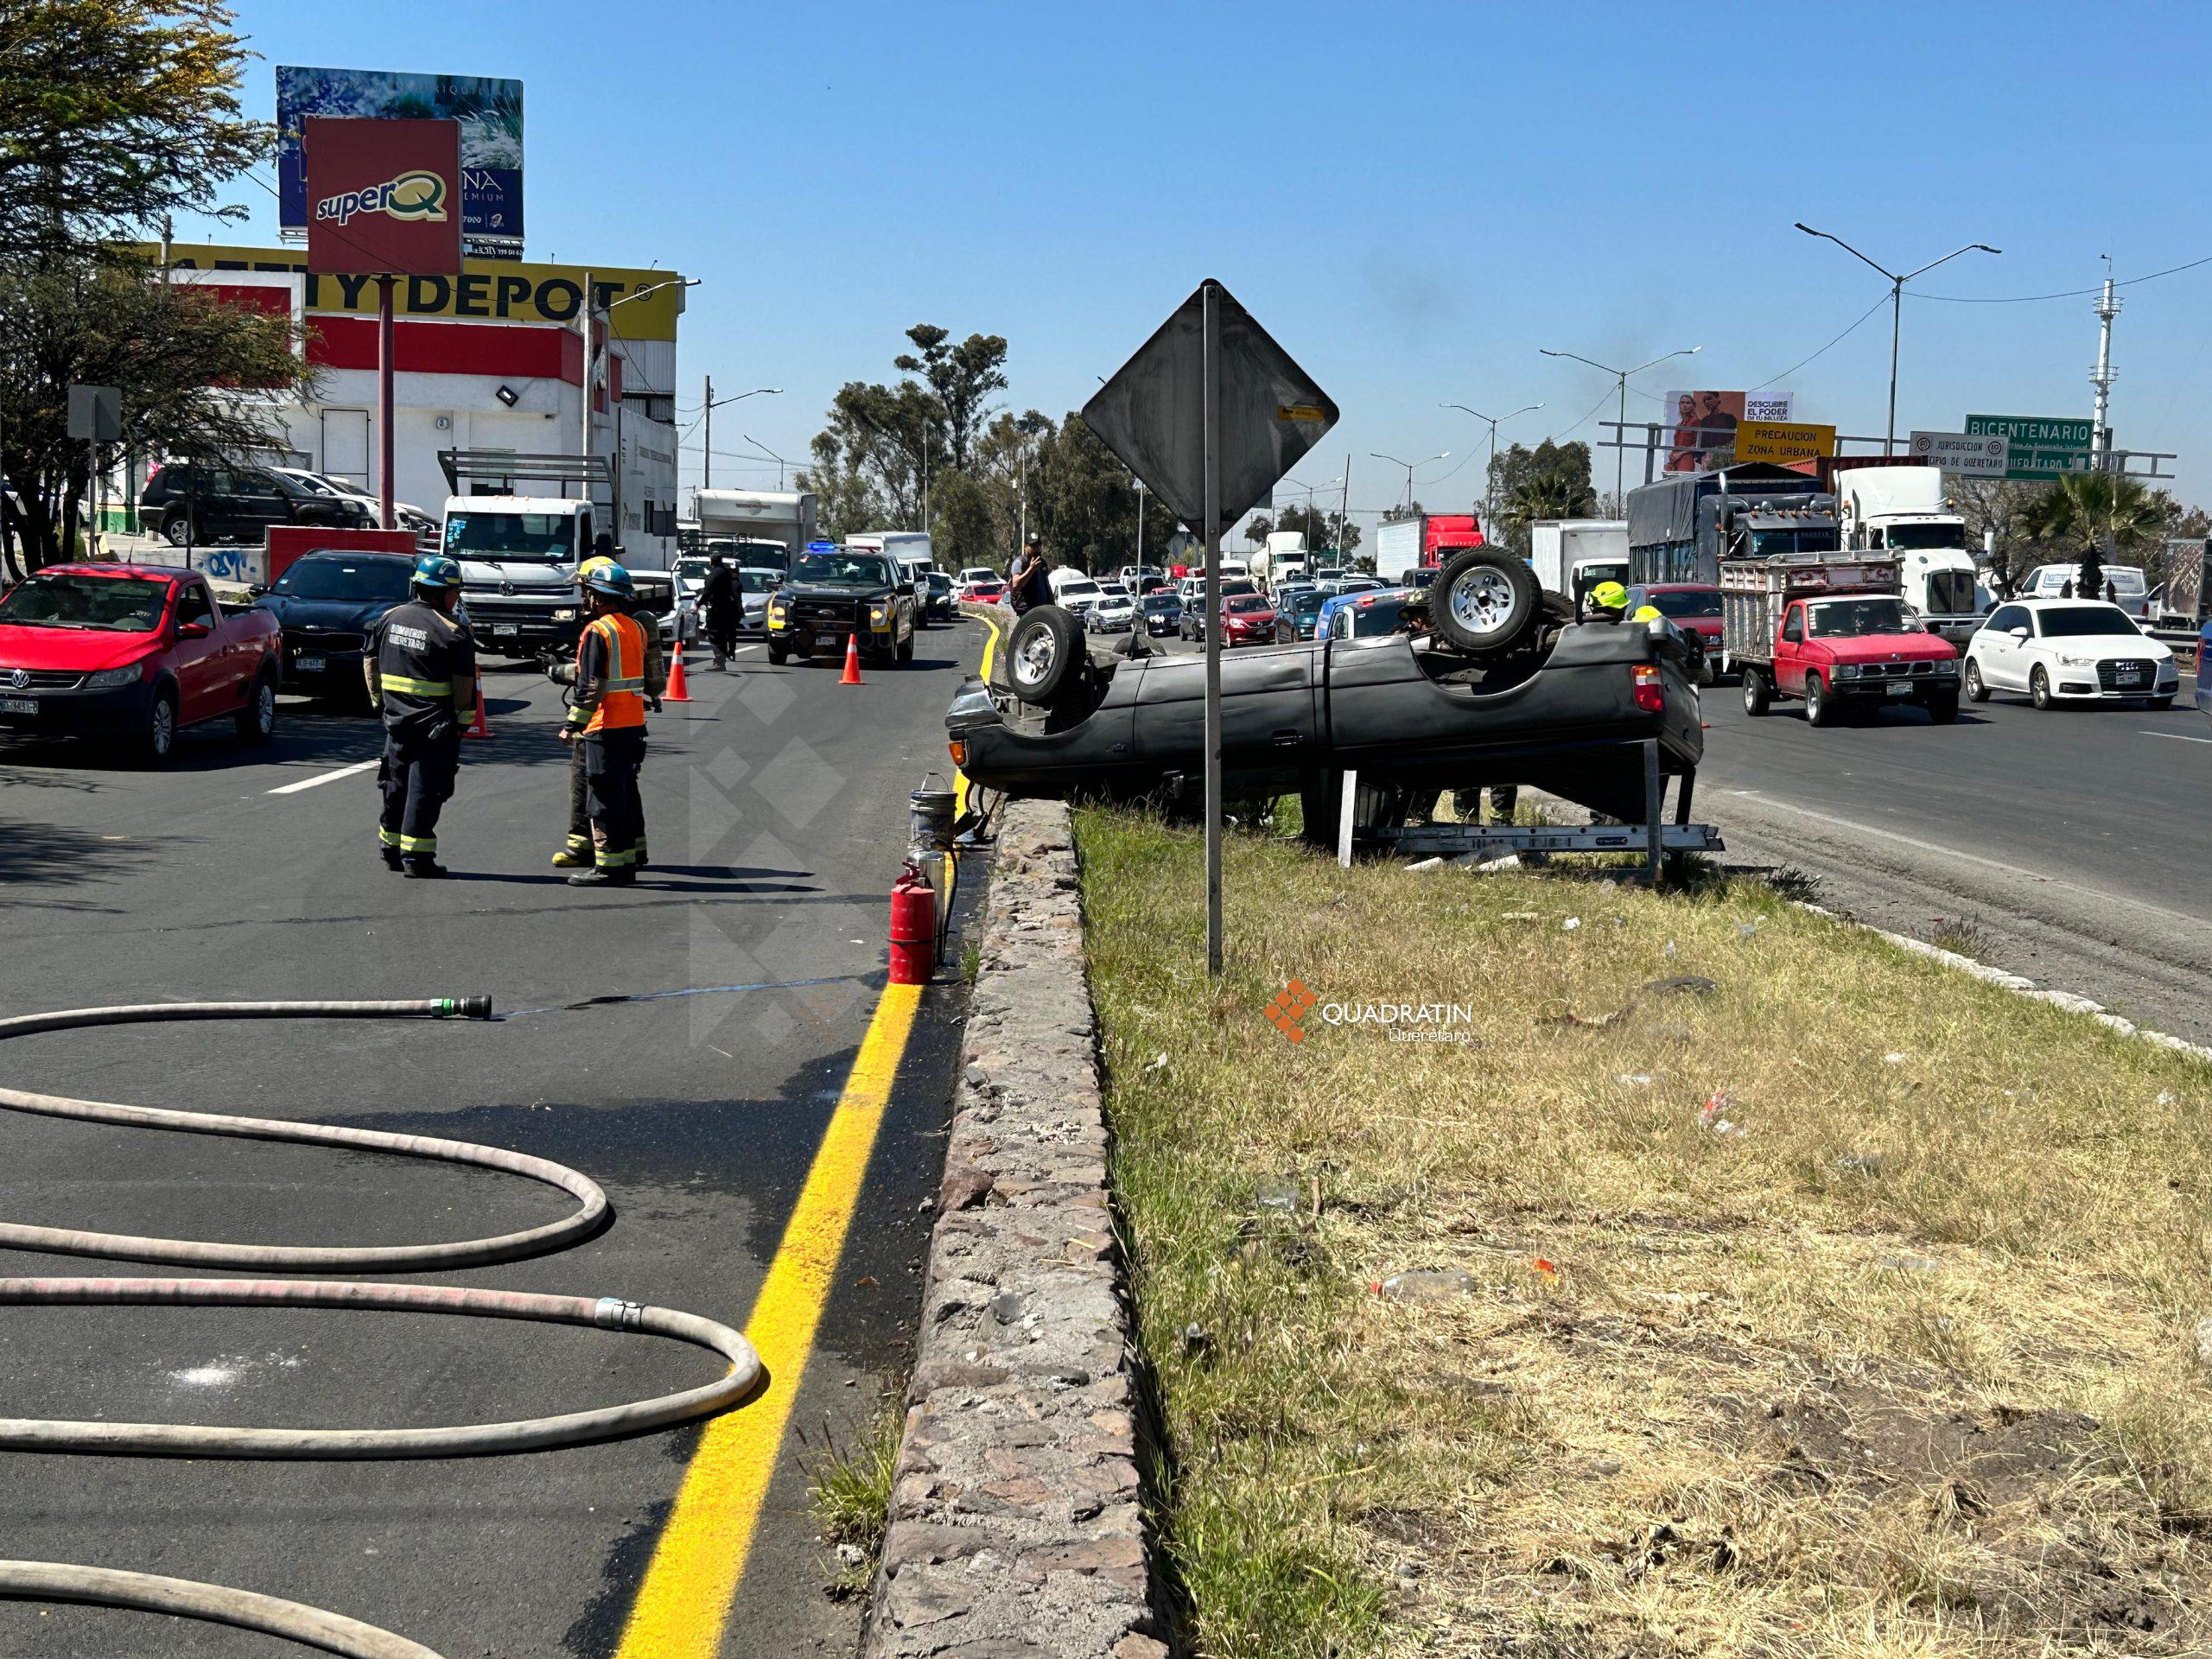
[{"x": 2101, "y": 377}]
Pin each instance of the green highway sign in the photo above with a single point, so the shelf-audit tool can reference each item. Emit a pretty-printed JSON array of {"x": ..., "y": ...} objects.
[{"x": 2041, "y": 447}]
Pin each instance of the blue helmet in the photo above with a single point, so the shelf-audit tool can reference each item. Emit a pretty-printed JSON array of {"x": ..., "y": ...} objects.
[
  {"x": 435, "y": 571},
  {"x": 612, "y": 578}
]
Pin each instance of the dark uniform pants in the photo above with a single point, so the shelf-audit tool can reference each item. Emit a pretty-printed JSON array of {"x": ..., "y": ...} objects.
[
  {"x": 418, "y": 774},
  {"x": 611, "y": 759},
  {"x": 721, "y": 633},
  {"x": 580, "y": 836}
]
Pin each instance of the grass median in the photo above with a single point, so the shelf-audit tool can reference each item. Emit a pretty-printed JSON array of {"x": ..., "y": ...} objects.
[{"x": 1778, "y": 1293}]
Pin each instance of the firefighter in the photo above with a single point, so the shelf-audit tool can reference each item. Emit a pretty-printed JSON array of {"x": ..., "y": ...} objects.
[
  {"x": 608, "y": 724},
  {"x": 421, "y": 667},
  {"x": 1607, "y": 602},
  {"x": 576, "y": 852}
]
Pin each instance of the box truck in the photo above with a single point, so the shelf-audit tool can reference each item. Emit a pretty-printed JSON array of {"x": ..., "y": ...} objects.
[{"x": 1572, "y": 556}]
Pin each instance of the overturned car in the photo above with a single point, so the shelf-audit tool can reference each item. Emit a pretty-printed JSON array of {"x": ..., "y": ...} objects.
[{"x": 1501, "y": 685}]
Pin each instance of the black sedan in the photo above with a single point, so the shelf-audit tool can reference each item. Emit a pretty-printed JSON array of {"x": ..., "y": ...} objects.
[
  {"x": 1161, "y": 610},
  {"x": 325, "y": 603}
]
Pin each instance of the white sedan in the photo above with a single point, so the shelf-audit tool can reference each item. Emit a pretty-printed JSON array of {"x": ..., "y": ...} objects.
[
  {"x": 1115, "y": 611},
  {"x": 2069, "y": 651}
]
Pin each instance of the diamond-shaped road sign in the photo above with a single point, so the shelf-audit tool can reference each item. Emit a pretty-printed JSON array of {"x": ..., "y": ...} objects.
[{"x": 1152, "y": 413}]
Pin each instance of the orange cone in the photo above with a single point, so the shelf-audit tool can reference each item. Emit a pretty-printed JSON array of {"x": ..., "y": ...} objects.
[
  {"x": 480, "y": 727},
  {"x": 852, "y": 660},
  {"x": 679, "y": 689}
]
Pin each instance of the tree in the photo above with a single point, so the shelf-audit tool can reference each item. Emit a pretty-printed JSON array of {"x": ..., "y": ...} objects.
[
  {"x": 1993, "y": 510},
  {"x": 1320, "y": 527},
  {"x": 963, "y": 376},
  {"x": 1398, "y": 509},
  {"x": 2085, "y": 516},
  {"x": 113, "y": 114},
  {"x": 200, "y": 379},
  {"x": 1549, "y": 481}
]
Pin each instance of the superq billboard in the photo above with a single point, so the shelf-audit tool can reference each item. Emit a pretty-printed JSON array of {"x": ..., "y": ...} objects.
[
  {"x": 489, "y": 113},
  {"x": 385, "y": 195}
]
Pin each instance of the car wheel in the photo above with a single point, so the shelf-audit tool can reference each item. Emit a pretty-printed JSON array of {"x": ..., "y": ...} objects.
[
  {"x": 157, "y": 741},
  {"x": 905, "y": 651},
  {"x": 2039, "y": 688},
  {"x": 257, "y": 721},
  {"x": 779, "y": 655},
  {"x": 1943, "y": 710},
  {"x": 1757, "y": 698},
  {"x": 176, "y": 529},
  {"x": 1976, "y": 691},
  {"x": 1485, "y": 601},
  {"x": 1044, "y": 654},
  {"x": 1819, "y": 707}
]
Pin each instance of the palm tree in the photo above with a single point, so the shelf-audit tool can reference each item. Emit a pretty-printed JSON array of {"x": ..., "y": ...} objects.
[
  {"x": 1544, "y": 495},
  {"x": 2085, "y": 516}
]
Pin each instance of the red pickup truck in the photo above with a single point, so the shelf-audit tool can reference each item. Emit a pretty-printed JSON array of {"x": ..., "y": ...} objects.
[
  {"x": 134, "y": 652},
  {"x": 1835, "y": 632}
]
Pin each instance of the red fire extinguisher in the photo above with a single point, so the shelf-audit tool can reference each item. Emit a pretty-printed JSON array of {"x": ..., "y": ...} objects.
[{"x": 913, "y": 927}]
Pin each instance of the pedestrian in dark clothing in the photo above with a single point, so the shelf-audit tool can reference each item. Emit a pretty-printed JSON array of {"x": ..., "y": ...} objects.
[
  {"x": 421, "y": 668},
  {"x": 1031, "y": 580},
  {"x": 723, "y": 596},
  {"x": 2066, "y": 588}
]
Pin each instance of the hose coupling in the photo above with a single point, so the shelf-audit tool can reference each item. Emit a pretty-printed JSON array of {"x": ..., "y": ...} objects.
[
  {"x": 613, "y": 1313},
  {"x": 463, "y": 1008}
]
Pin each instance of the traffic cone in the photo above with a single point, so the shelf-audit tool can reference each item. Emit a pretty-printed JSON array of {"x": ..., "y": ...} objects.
[
  {"x": 480, "y": 727},
  {"x": 852, "y": 676},
  {"x": 679, "y": 689}
]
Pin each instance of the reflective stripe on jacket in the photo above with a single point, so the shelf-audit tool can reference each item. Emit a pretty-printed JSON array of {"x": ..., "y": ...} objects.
[
  {"x": 422, "y": 670},
  {"x": 611, "y": 673}
]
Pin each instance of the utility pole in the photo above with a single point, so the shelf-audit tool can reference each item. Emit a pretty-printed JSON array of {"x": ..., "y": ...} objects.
[
  {"x": 1620, "y": 457},
  {"x": 2107, "y": 307},
  {"x": 583, "y": 315},
  {"x": 706, "y": 476}
]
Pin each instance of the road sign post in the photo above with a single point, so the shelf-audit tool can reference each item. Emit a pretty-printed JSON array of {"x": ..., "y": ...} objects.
[
  {"x": 1968, "y": 454},
  {"x": 1209, "y": 413}
]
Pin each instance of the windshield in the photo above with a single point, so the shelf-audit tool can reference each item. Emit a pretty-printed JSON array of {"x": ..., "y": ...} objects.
[
  {"x": 2073, "y": 622},
  {"x": 938, "y": 582},
  {"x": 1768, "y": 543},
  {"x": 1244, "y": 603},
  {"x": 1847, "y": 619},
  {"x": 1302, "y": 606},
  {"x": 1688, "y": 603},
  {"x": 691, "y": 569},
  {"x": 510, "y": 535},
  {"x": 755, "y": 581},
  {"x": 846, "y": 568},
  {"x": 1380, "y": 617},
  {"x": 1160, "y": 601},
  {"x": 1930, "y": 537},
  {"x": 1113, "y": 590},
  {"x": 116, "y": 604},
  {"x": 364, "y": 579},
  {"x": 313, "y": 483},
  {"x": 1078, "y": 589}
]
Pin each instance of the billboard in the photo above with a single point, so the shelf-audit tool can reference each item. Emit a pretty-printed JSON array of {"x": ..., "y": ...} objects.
[
  {"x": 384, "y": 195},
  {"x": 1703, "y": 423},
  {"x": 1785, "y": 443},
  {"x": 489, "y": 113}
]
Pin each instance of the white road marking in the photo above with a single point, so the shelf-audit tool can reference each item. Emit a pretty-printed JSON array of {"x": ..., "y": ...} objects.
[
  {"x": 325, "y": 778},
  {"x": 2178, "y": 737}
]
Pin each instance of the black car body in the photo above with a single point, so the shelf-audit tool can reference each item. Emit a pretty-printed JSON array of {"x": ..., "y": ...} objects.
[
  {"x": 937, "y": 601},
  {"x": 833, "y": 597},
  {"x": 326, "y": 602},
  {"x": 215, "y": 503},
  {"x": 1161, "y": 610},
  {"x": 1572, "y": 721}
]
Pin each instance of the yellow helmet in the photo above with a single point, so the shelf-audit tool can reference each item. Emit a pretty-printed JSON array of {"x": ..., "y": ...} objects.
[
  {"x": 591, "y": 567},
  {"x": 1647, "y": 614},
  {"x": 1609, "y": 596}
]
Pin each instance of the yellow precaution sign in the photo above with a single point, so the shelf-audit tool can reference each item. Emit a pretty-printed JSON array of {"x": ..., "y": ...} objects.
[
  {"x": 1299, "y": 412},
  {"x": 1783, "y": 441}
]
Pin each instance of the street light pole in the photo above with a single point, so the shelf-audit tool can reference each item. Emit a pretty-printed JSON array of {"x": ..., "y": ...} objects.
[
  {"x": 1490, "y": 478},
  {"x": 712, "y": 404},
  {"x": 1620, "y": 432},
  {"x": 1897, "y": 283},
  {"x": 772, "y": 454},
  {"x": 1408, "y": 465}
]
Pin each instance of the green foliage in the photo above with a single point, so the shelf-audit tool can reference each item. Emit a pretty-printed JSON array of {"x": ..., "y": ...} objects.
[
  {"x": 1321, "y": 527},
  {"x": 2081, "y": 516},
  {"x": 1549, "y": 481},
  {"x": 112, "y": 114},
  {"x": 962, "y": 377}
]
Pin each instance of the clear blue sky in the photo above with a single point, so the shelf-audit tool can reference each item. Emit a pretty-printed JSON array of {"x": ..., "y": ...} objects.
[{"x": 1412, "y": 198}]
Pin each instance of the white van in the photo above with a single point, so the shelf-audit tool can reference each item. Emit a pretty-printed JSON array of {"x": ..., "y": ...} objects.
[
  {"x": 1074, "y": 590},
  {"x": 2130, "y": 591}
]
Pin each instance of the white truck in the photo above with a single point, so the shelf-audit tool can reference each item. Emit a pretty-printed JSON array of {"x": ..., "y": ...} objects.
[
  {"x": 1284, "y": 558},
  {"x": 1572, "y": 555},
  {"x": 1902, "y": 511},
  {"x": 784, "y": 515},
  {"x": 910, "y": 547}
]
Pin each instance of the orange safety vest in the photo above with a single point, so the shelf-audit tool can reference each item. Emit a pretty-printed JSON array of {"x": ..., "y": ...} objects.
[{"x": 622, "y": 700}]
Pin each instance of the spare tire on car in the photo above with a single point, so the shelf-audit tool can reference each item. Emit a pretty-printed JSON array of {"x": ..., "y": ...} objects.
[
  {"x": 1045, "y": 654},
  {"x": 1485, "y": 600}
]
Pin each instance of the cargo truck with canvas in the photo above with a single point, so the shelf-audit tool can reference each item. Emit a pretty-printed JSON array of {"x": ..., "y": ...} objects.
[
  {"x": 1834, "y": 632},
  {"x": 1682, "y": 527}
]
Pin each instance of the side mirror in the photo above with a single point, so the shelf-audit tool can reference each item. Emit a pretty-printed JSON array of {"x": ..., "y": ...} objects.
[
  {"x": 2017, "y": 633},
  {"x": 193, "y": 630},
  {"x": 257, "y": 590}
]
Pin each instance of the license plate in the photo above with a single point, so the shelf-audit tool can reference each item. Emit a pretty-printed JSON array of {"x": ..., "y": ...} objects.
[
  {"x": 18, "y": 705},
  {"x": 308, "y": 665},
  {"x": 1900, "y": 688},
  {"x": 2129, "y": 675},
  {"x": 504, "y": 630}
]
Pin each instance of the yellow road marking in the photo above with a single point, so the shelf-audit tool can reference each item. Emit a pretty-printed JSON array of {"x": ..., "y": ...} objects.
[
  {"x": 960, "y": 779},
  {"x": 684, "y": 1601}
]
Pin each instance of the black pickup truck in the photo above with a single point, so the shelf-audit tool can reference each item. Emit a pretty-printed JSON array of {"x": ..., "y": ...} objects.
[
  {"x": 1550, "y": 703},
  {"x": 832, "y": 597}
]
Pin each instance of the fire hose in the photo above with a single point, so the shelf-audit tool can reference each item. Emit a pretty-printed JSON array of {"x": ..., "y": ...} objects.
[{"x": 312, "y": 1627}]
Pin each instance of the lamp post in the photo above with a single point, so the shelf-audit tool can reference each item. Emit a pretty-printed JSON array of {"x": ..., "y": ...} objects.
[
  {"x": 1490, "y": 477},
  {"x": 1408, "y": 465},
  {"x": 780, "y": 462},
  {"x": 712, "y": 403},
  {"x": 1896, "y": 308},
  {"x": 1620, "y": 432}
]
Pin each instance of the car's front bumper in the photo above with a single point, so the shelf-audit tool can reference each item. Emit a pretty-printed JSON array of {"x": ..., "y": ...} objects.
[{"x": 76, "y": 712}]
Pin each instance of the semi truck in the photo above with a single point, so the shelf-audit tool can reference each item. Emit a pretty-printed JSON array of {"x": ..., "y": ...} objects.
[
  {"x": 1283, "y": 559},
  {"x": 1406, "y": 547},
  {"x": 1902, "y": 512},
  {"x": 1572, "y": 556},
  {"x": 1682, "y": 527},
  {"x": 1835, "y": 632}
]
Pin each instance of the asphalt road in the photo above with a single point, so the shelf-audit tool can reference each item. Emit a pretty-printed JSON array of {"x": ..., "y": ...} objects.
[{"x": 776, "y": 810}]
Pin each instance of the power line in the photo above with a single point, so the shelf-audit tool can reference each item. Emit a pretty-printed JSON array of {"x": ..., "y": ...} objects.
[
  {"x": 2066, "y": 294},
  {"x": 1838, "y": 341}
]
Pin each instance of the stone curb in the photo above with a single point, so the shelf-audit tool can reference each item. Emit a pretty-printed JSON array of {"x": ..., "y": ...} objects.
[{"x": 1015, "y": 1527}]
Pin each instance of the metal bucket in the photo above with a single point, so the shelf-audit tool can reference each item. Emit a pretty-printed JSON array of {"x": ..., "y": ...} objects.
[{"x": 930, "y": 816}]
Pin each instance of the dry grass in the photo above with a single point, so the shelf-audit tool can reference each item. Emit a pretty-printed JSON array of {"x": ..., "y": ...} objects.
[{"x": 1903, "y": 1364}]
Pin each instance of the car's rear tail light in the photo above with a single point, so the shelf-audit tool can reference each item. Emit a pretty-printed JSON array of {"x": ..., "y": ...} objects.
[{"x": 1650, "y": 693}]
